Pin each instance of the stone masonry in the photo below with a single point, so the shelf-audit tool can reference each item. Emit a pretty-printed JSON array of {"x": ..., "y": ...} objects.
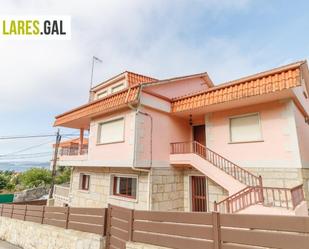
[
  {"x": 29, "y": 235},
  {"x": 167, "y": 189},
  {"x": 100, "y": 191}
]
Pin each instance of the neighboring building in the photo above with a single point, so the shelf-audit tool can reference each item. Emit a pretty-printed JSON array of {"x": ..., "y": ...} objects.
[{"x": 183, "y": 143}]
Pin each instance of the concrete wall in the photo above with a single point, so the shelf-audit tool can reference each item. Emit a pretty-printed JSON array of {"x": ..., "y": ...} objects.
[
  {"x": 29, "y": 235},
  {"x": 100, "y": 191}
]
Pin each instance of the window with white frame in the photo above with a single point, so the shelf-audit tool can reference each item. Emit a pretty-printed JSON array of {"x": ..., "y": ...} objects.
[
  {"x": 246, "y": 128},
  {"x": 117, "y": 88},
  {"x": 111, "y": 131},
  {"x": 102, "y": 94},
  {"x": 125, "y": 186}
]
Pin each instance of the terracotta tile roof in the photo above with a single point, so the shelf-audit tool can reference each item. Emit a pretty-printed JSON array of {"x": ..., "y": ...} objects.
[
  {"x": 263, "y": 83},
  {"x": 70, "y": 142},
  {"x": 109, "y": 103},
  {"x": 132, "y": 78},
  {"x": 135, "y": 79}
]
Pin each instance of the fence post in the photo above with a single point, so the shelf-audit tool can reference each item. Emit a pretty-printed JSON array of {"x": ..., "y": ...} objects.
[
  {"x": 131, "y": 221},
  {"x": 108, "y": 226},
  {"x": 261, "y": 188},
  {"x": 43, "y": 214},
  {"x": 67, "y": 214},
  {"x": 105, "y": 221},
  {"x": 12, "y": 210},
  {"x": 216, "y": 230},
  {"x": 215, "y": 206},
  {"x": 228, "y": 210},
  {"x": 25, "y": 212},
  {"x": 1, "y": 209}
]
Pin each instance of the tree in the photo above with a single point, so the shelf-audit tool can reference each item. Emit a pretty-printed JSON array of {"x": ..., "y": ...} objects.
[
  {"x": 3, "y": 181},
  {"x": 36, "y": 177},
  {"x": 63, "y": 175}
]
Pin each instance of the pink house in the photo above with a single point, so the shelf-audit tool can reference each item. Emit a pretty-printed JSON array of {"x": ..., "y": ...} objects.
[{"x": 186, "y": 144}]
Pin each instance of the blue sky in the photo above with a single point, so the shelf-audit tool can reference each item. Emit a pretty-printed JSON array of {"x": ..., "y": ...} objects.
[{"x": 228, "y": 39}]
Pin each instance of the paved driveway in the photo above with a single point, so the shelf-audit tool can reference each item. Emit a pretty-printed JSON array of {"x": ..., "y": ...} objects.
[{"x": 6, "y": 245}]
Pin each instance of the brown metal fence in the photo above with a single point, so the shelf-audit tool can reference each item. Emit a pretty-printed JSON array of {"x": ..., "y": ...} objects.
[
  {"x": 183, "y": 230},
  {"x": 179, "y": 230},
  {"x": 90, "y": 220}
]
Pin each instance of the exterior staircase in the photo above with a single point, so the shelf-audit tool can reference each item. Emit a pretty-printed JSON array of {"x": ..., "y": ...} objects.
[{"x": 246, "y": 191}]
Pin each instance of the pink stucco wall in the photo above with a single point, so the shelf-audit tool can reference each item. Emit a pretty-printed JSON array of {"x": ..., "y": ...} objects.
[
  {"x": 166, "y": 129},
  {"x": 303, "y": 137},
  {"x": 113, "y": 154},
  {"x": 179, "y": 88},
  {"x": 277, "y": 148}
]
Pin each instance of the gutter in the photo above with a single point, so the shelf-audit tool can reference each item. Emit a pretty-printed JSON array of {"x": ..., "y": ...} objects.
[{"x": 133, "y": 167}]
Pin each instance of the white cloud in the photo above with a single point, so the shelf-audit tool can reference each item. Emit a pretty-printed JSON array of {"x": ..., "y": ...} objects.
[{"x": 47, "y": 77}]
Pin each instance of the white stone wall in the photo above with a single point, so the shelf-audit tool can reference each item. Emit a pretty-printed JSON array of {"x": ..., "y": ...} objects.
[
  {"x": 100, "y": 191},
  {"x": 284, "y": 177},
  {"x": 167, "y": 189},
  {"x": 29, "y": 235}
]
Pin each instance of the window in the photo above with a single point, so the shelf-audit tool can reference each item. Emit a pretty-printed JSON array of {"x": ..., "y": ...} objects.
[
  {"x": 125, "y": 186},
  {"x": 117, "y": 88},
  {"x": 245, "y": 128},
  {"x": 102, "y": 94},
  {"x": 111, "y": 131},
  {"x": 84, "y": 182}
]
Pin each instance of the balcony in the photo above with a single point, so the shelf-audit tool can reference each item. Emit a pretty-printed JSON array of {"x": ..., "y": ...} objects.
[{"x": 72, "y": 152}]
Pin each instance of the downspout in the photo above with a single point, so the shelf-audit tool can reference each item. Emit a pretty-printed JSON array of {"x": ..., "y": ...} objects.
[{"x": 133, "y": 167}]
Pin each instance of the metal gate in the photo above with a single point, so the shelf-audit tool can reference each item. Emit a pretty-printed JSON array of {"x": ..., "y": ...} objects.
[{"x": 198, "y": 193}]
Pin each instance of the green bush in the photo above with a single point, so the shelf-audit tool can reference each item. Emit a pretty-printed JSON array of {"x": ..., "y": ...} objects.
[{"x": 36, "y": 177}]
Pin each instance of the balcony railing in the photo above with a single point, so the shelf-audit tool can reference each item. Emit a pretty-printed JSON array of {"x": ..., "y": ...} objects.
[
  {"x": 217, "y": 160},
  {"x": 267, "y": 196},
  {"x": 61, "y": 193},
  {"x": 73, "y": 151}
]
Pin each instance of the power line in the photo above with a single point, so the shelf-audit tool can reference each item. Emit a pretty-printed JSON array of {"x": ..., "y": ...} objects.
[
  {"x": 24, "y": 156},
  {"x": 31, "y": 136},
  {"x": 27, "y": 148}
]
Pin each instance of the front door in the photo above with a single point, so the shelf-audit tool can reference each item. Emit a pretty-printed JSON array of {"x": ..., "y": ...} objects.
[
  {"x": 198, "y": 193},
  {"x": 199, "y": 134}
]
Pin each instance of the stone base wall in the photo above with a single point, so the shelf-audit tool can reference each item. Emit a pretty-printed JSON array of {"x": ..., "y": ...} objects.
[
  {"x": 167, "y": 189},
  {"x": 283, "y": 177},
  {"x": 100, "y": 190},
  {"x": 214, "y": 191},
  {"x": 29, "y": 235}
]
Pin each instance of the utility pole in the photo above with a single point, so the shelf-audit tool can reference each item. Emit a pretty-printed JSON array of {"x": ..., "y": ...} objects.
[
  {"x": 94, "y": 59},
  {"x": 58, "y": 140}
]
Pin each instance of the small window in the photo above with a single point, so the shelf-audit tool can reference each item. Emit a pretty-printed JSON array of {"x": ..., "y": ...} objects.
[
  {"x": 111, "y": 131},
  {"x": 84, "y": 182},
  {"x": 245, "y": 128},
  {"x": 117, "y": 88},
  {"x": 102, "y": 94},
  {"x": 125, "y": 186}
]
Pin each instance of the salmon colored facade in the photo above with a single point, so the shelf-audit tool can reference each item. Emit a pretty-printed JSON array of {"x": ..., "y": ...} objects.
[{"x": 185, "y": 144}]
